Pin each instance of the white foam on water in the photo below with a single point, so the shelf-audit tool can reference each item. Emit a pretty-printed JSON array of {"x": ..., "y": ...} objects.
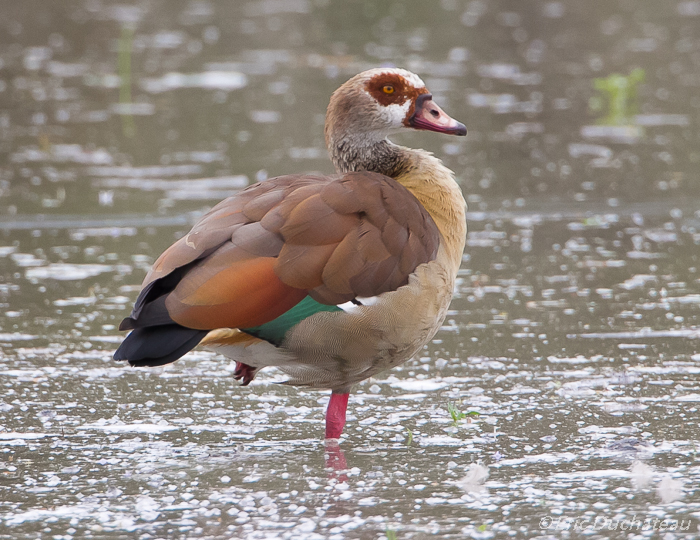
[
  {"x": 425, "y": 385},
  {"x": 72, "y": 272}
]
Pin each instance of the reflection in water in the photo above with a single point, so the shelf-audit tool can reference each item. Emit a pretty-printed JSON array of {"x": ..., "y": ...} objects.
[
  {"x": 574, "y": 332},
  {"x": 335, "y": 461}
]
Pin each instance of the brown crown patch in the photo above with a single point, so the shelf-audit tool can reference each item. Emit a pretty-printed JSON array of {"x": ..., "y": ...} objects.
[{"x": 403, "y": 90}]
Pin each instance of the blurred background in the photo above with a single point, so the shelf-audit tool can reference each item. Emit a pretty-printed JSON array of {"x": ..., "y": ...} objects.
[
  {"x": 570, "y": 354},
  {"x": 102, "y": 103}
]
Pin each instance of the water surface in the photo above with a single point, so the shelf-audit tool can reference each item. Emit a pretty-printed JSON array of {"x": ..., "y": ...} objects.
[{"x": 559, "y": 399}]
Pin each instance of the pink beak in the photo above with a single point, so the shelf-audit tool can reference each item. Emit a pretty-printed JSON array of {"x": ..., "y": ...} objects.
[{"x": 430, "y": 117}]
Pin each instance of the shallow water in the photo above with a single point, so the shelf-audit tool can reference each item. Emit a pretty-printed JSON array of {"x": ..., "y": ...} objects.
[{"x": 561, "y": 396}]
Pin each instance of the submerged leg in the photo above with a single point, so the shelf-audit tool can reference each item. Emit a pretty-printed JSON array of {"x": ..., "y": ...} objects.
[{"x": 335, "y": 415}]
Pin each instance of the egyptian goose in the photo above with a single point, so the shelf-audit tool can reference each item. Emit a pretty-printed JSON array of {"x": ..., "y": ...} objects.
[{"x": 331, "y": 279}]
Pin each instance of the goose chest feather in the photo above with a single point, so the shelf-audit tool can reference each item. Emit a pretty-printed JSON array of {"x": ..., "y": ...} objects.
[{"x": 331, "y": 279}]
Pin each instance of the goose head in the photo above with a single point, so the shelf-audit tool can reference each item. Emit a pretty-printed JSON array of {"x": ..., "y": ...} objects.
[{"x": 374, "y": 104}]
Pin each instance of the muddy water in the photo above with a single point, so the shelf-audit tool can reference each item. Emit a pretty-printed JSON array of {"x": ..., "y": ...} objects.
[{"x": 561, "y": 396}]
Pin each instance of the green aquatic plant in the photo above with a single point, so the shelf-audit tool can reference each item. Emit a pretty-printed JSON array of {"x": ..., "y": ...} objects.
[
  {"x": 390, "y": 534},
  {"x": 410, "y": 437},
  {"x": 455, "y": 413},
  {"x": 124, "y": 65},
  {"x": 620, "y": 94},
  {"x": 458, "y": 415}
]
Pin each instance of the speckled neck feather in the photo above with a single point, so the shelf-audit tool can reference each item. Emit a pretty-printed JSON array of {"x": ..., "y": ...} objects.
[{"x": 354, "y": 154}]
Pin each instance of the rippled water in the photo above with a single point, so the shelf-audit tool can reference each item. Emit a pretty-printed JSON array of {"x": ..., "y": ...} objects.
[{"x": 559, "y": 399}]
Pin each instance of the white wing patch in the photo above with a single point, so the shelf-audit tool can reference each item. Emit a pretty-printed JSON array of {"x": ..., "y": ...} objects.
[{"x": 351, "y": 307}]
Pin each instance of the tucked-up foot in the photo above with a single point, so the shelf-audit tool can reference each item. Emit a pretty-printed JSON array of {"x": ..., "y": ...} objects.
[{"x": 245, "y": 373}]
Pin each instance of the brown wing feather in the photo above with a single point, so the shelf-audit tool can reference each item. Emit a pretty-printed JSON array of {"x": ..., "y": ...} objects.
[
  {"x": 381, "y": 230},
  {"x": 217, "y": 227},
  {"x": 256, "y": 240},
  {"x": 345, "y": 261},
  {"x": 302, "y": 265},
  {"x": 257, "y": 254},
  {"x": 314, "y": 222}
]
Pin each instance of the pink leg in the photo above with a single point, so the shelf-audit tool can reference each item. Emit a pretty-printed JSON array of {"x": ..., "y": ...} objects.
[
  {"x": 245, "y": 372},
  {"x": 335, "y": 415}
]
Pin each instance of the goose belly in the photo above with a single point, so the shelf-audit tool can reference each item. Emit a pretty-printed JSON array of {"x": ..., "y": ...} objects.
[{"x": 338, "y": 349}]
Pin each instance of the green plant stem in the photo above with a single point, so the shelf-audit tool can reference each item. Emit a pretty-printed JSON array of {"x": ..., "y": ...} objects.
[{"x": 124, "y": 65}]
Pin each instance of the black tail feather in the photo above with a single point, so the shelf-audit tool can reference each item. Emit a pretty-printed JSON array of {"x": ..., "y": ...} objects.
[{"x": 158, "y": 345}]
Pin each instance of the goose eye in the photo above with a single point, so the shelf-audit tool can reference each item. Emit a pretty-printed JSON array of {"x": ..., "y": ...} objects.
[{"x": 388, "y": 89}]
